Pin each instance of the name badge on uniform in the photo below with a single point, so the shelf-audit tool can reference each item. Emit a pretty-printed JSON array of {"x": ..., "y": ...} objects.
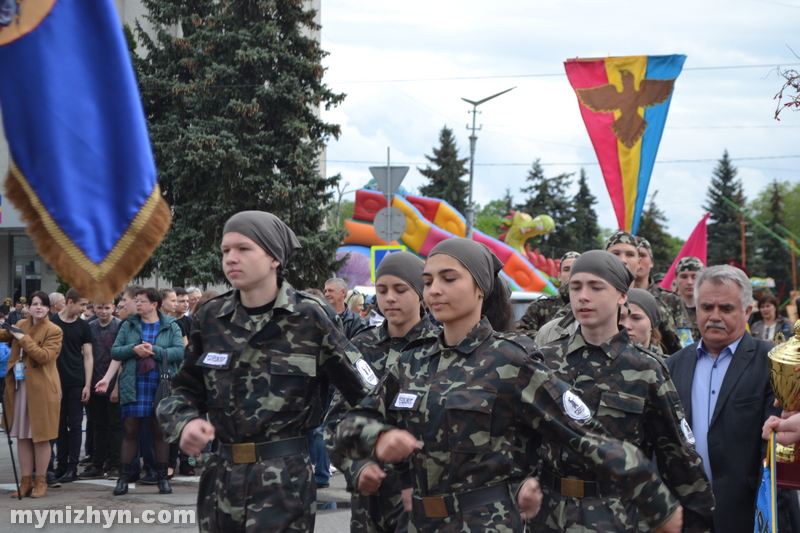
[
  {"x": 574, "y": 406},
  {"x": 687, "y": 431},
  {"x": 216, "y": 359},
  {"x": 367, "y": 374},
  {"x": 405, "y": 400}
]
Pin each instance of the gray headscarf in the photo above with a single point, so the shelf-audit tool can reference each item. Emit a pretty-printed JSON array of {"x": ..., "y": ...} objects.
[
  {"x": 476, "y": 257},
  {"x": 405, "y": 266},
  {"x": 604, "y": 265},
  {"x": 268, "y": 231},
  {"x": 647, "y": 302}
]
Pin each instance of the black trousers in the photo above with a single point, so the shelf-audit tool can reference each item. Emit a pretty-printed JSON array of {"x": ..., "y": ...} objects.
[
  {"x": 69, "y": 429},
  {"x": 107, "y": 431}
]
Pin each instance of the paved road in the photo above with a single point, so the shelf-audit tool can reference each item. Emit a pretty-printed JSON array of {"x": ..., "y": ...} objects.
[{"x": 140, "y": 499}]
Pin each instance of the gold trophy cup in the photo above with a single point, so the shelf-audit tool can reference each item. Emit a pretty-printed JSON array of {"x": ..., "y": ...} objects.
[{"x": 784, "y": 365}]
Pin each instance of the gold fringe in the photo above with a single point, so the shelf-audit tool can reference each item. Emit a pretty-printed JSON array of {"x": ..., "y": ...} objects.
[{"x": 97, "y": 282}]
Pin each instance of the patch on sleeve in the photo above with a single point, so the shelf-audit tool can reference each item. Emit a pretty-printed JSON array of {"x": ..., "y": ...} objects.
[
  {"x": 367, "y": 374},
  {"x": 574, "y": 406},
  {"x": 405, "y": 400},
  {"x": 687, "y": 431}
]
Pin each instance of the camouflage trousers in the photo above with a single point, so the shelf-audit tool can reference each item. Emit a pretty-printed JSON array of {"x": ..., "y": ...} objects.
[
  {"x": 499, "y": 517},
  {"x": 381, "y": 512},
  {"x": 583, "y": 515},
  {"x": 276, "y": 495}
]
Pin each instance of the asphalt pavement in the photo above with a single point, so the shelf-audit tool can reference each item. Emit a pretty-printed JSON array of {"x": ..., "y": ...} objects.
[{"x": 149, "y": 511}]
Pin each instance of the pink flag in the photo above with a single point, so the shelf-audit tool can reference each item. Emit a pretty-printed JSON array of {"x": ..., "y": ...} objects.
[{"x": 696, "y": 246}]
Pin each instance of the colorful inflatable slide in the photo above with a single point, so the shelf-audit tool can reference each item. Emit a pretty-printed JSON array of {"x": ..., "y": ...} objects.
[{"x": 428, "y": 222}]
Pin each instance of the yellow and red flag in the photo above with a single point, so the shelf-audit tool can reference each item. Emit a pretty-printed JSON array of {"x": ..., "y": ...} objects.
[{"x": 624, "y": 103}]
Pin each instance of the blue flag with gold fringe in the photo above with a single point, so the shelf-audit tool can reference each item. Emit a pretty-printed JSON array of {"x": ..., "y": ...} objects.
[{"x": 82, "y": 171}]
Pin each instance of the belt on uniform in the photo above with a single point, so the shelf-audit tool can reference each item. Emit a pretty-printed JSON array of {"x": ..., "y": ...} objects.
[
  {"x": 448, "y": 504},
  {"x": 252, "y": 452},
  {"x": 576, "y": 488}
]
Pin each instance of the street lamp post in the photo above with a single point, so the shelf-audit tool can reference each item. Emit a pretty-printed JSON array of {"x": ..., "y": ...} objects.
[{"x": 472, "y": 139}]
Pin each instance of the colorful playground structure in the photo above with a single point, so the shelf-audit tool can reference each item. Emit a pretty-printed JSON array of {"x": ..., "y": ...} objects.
[{"x": 430, "y": 221}]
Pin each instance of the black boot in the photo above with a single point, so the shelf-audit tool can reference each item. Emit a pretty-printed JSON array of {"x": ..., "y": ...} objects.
[
  {"x": 122, "y": 481},
  {"x": 161, "y": 474}
]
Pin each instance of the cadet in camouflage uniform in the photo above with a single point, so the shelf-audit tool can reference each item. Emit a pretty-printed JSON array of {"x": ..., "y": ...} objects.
[
  {"x": 259, "y": 360},
  {"x": 671, "y": 301},
  {"x": 548, "y": 308},
  {"x": 640, "y": 318},
  {"x": 626, "y": 247},
  {"x": 686, "y": 271},
  {"x": 470, "y": 402},
  {"x": 628, "y": 388},
  {"x": 398, "y": 287}
]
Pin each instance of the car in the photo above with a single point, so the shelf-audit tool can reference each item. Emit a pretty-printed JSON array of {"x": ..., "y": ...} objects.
[{"x": 520, "y": 300}]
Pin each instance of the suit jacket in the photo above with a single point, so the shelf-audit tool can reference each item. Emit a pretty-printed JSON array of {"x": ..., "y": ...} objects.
[{"x": 735, "y": 445}]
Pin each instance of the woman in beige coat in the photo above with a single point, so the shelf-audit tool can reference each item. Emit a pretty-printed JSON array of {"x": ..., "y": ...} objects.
[{"x": 32, "y": 404}]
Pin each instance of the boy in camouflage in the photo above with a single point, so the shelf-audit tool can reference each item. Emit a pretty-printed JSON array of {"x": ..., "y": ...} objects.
[
  {"x": 258, "y": 362},
  {"x": 548, "y": 308},
  {"x": 464, "y": 408},
  {"x": 686, "y": 272},
  {"x": 626, "y": 246},
  {"x": 628, "y": 388}
]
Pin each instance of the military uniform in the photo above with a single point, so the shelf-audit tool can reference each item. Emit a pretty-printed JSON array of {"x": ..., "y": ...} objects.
[
  {"x": 477, "y": 407},
  {"x": 261, "y": 379},
  {"x": 686, "y": 321},
  {"x": 542, "y": 311},
  {"x": 686, "y": 329},
  {"x": 634, "y": 400},
  {"x": 381, "y": 511}
]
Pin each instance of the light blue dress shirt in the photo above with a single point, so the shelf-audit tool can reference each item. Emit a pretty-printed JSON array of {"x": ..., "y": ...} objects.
[{"x": 708, "y": 375}]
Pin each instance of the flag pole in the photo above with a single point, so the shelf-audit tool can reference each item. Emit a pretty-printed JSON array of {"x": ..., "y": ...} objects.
[{"x": 8, "y": 434}]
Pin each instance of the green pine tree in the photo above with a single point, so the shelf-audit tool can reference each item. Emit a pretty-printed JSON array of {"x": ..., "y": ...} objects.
[
  {"x": 769, "y": 208},
  {"x": 548, "y": 196},
  {"x": 445, "y": 180},
  {"x": 583, "y": 226},
  {"x": 231, "y": 91},
  {"x": 724, "y": 228}
]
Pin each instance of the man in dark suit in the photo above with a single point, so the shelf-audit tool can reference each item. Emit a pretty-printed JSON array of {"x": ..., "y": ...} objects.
[{"x": 723, "y": 382}]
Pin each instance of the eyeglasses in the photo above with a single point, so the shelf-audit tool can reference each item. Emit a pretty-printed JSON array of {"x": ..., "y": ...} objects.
[{"x": 142, "y": 302}]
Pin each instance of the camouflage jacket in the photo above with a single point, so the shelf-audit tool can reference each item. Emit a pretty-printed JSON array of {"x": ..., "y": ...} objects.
[
  {"x": 542, "y": 311},
  {"x": 381, "y": 351},
  {"x": 687, "y": 320},
  {"x": 477, "y": 406},
  {"x": 686, "y": 328},
  {"x": 262, "y": 377},
  {"x": 635, "y": 400}
]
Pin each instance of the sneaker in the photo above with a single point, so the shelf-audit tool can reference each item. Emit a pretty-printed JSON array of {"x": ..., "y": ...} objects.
[
  {"x": 69, "y": 477},
  {"x": 148, "y": 480},
  {"x": 185, "y": 469},
  {"x": 52, "y": 480},
  {"x": 85, "y": 461},
  {"x": 91, "y": 473},
  {"x": 113, "y": 473}
]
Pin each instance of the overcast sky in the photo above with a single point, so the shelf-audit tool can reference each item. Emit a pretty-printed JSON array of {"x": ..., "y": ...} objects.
[{"x": 405, "y": 66}]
